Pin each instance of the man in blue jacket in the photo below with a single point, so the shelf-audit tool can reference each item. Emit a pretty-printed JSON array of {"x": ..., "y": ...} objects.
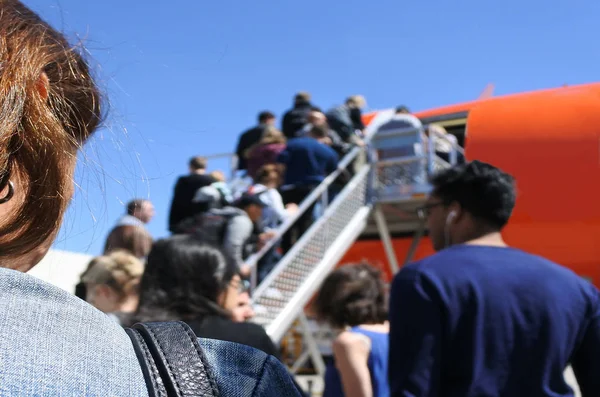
[{"x": 480, "y": 318}]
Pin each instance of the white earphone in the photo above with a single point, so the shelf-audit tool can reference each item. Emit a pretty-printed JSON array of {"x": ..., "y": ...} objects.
[
  {"x": 447, "y": 238},
  {"x": 450, "y": 217}
]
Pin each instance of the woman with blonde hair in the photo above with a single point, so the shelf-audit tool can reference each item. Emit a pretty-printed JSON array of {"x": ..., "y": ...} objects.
[
  {"x": 112, "y": 282},
  {"x": 266, "y": 151},
  {"x": 53, "y": 343}
]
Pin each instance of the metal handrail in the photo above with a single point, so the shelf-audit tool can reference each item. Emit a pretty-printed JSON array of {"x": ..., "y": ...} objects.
[
  {"x": 304, "y": 206},
  {"x": 300, "y": 244},
  {"x": 233, "y": 161},
  {"x": 444, "y": 137},
  {"x": 219, "y": 155},
  {"x": 371, "y": 129}
]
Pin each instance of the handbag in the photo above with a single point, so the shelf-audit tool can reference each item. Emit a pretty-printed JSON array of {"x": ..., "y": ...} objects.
[{"x": 172, "y": 361}]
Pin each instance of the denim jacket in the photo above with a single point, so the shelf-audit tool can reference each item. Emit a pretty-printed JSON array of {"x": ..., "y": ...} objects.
[{"x": 54, "y": 344}]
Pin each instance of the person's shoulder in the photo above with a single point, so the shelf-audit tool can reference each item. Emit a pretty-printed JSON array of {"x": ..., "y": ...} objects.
[
  {"x": 38, "y": 317},
  {"x": 243, "y": 370},
  {"x": 250, "y": 131},
  {"x": 349, "y": 340},
  {"x": 412, "y": 272},
  {"x": 296, "y": 142},
  {"x": 330, "y": 151}
]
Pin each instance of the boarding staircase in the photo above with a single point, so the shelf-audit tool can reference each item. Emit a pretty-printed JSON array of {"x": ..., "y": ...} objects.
[{"x": 382, "y": 197}]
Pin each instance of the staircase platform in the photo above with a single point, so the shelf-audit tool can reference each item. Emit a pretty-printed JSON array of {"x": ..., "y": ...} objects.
[{"x": 401, "y": 217}]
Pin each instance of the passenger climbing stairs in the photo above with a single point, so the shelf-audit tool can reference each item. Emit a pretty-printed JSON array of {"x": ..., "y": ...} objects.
[{"x": 383, "y": 197}]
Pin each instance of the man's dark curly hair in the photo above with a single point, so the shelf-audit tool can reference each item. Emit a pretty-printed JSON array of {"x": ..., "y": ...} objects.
[
  {"x": 481, "y": 189},
  {"x": 352, "y": 295}
]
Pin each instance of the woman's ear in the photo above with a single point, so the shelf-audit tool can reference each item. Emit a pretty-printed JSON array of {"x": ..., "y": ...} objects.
[
  {"x": 222, "y": 298},
  {"x": 43, "y": 85}
]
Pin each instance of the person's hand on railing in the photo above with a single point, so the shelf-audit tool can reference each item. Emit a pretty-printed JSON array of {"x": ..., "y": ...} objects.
[
  {"x": 358, "y": 141},
  {"x": 291, "y": 208},
  {"x": 245, "y": 271},
  {"x": 263, "y": 238}
]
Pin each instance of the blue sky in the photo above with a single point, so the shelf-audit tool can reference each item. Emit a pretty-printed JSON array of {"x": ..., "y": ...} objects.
[{"x": 184, "y": 78}]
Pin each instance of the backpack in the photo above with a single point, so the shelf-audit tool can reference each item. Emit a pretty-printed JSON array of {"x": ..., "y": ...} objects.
[
  {"x": 172, "y": 361},
  {"x": 212, "y": 225},
  {"x": 339, "y": 120},
  {"x": 294, "y": 120}
]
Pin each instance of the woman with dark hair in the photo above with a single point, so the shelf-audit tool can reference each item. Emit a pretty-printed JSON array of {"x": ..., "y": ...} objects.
[
  {"x": 51, "y": 342},
  {"x": 189, "y": 280},
  {"x": 353, "y": 301}
]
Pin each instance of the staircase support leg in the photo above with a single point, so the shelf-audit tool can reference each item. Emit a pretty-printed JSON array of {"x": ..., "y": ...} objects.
[
  {"x": 312, "y": 347},
  {"x": 415, "y": 243},
  {"x": 299, "y": 362},
  {"x": 386, "y": 239}
]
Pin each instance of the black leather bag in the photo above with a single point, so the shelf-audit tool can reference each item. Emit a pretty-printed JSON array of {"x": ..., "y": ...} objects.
[{"x": 172, "y": 360}]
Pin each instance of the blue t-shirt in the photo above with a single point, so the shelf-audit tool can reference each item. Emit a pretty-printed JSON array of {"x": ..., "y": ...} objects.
[
  {"x": 490, "y": 321},
  {"x": 307, "y": 161},
  {"x": 377, "y": 364}
]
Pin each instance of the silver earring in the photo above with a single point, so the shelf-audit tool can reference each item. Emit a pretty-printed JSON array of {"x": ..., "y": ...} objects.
[{"x": 9, "y": 194}]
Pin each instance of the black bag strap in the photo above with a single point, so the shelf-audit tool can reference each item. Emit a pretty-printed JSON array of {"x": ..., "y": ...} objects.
[{"x": 172, "y": 361}]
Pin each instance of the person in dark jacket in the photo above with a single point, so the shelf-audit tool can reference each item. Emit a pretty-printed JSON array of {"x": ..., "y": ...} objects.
[
  {"x": 346, "y": 119},
  {"x": 182, "y": 206},
  {"x": 191, "y": 280},
  {"x": 251, "y": 137},
  {"x": 295, "y": 119},
  {"x": 186, "y": 279}
]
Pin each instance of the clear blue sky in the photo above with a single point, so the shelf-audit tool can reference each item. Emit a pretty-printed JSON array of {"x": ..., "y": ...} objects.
[{"x": 183, "y": 78}]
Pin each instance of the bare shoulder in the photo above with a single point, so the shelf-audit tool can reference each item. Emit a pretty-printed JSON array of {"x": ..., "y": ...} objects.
[{"x": 351, "y": 341}]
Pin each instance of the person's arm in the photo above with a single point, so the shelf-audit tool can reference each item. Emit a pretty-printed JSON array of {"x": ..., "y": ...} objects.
[
  {"x": 238, "y": 231},
  {"x": 332, "y": 161},
  {"x": 351, "y": 353},
  {"x": 285, "y": 125},
  {"x": 415, "y": 336},
  {"x": 586, "y": 359},
  {"x": 175, "y": 210},
  {"x": 276, "y": 202},
  {"x": 242, "y": 145}
]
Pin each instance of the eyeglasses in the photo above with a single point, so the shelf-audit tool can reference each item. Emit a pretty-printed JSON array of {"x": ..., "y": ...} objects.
[
  {"x": 242, "y": 285},
  {"x": 424, "y": 211}
]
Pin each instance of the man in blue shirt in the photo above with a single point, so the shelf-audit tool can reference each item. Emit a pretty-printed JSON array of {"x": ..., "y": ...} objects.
[
  {"x": 308, "y": 160},
  {"x": 480, "y": 318}
]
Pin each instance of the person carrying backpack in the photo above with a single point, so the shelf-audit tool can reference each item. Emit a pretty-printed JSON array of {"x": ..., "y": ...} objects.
[
  {"x": 296, "y": 118},
  {"x": 234, "y": 229}
]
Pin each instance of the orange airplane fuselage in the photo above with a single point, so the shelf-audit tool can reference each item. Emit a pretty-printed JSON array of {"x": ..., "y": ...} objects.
[{"x": 549, "y": 141}]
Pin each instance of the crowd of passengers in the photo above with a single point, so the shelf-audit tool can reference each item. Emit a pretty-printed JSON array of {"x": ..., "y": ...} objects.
[
  {"x": 478, "y": 317},
  {"x": 138, "y": 279},
  {"x": 284, "y": 167}
]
